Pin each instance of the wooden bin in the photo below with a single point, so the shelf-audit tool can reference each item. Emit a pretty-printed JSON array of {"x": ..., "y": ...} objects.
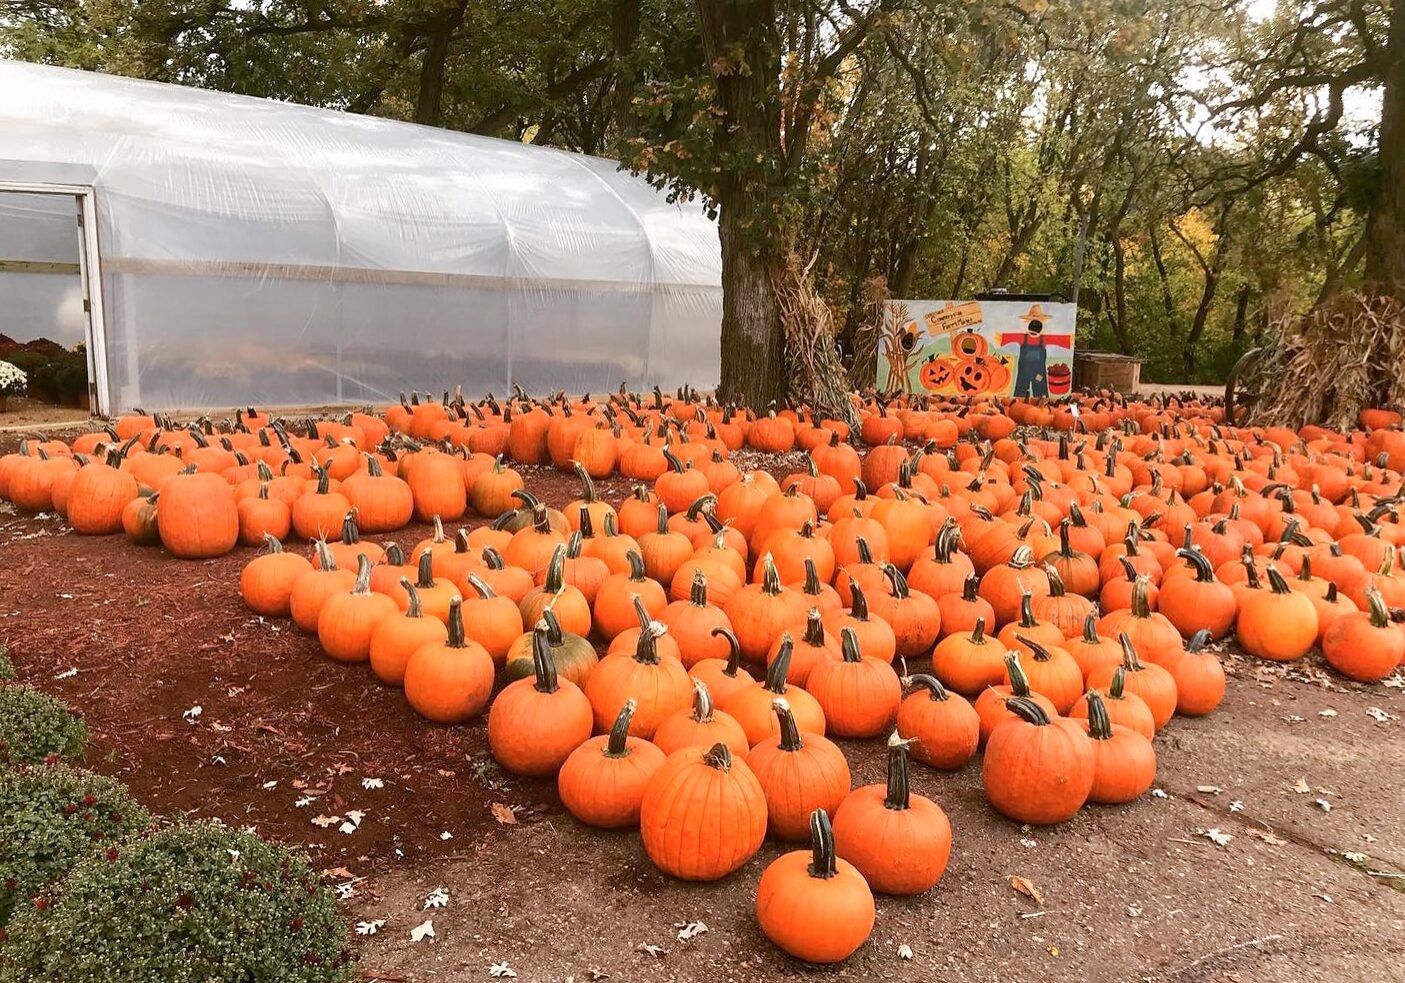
[{"x": 1106, "y": 370}]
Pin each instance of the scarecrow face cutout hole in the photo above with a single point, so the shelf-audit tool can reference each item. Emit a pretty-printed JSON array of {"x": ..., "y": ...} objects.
[
  {"x": 1035, "y": 326},
  {"x": 969, "y": 344},
  {"x": 908, "y": 337}
]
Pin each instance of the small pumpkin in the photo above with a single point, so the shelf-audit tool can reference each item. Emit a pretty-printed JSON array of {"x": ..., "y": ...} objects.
[
  {"x": 449, "y": 682},
  {"x": 602, "y": 782},
  {"x": 346, "y": 621},
  {"x": 752, "y": 705},
  {"x": 1276, "y": 624},
  {"x": 899, "y": 841},
  {"x": 702, "y": 726},
  {"x": 395, "y": 639},
  {"x": 944, "y": 728},
  {"x": 703, "y": 814},
  {"x": 799, "y": 771},
  {"x": 659, "y": 685},
  {"x": 1364, "y": 645},
  {"x": 266, "y": 582},
  {"x": 535, "y": 724},
  {"x": 723, "y": 677},
  {"x": 858, "y": 693},
  {"x": 1155, "y": 685},
  {"x": 813, "y": 905},
  {"x": 1124, "y": 762},
  {"x": 1037, "y": 769}
]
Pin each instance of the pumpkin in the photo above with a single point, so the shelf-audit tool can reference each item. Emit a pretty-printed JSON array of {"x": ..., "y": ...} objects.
[
  {"x": 1124, "y": 762},
  {"x": 899, "y": 842},
  {"x": 1005, "y": 584},
  {"x": 266, "y": 582},
  {"x": 97, "y": 498},
  {"x": 536, "y": 723},
  {"x": 944, "y": 728},
  {"x": 876, "y": 636},
  {"x": 602, "y": 781},
  {"x": 1050, "y": 671},
  {"x": 969, "y": 663},
  {"x": 799, "y": 771},
  {"x": 311, "y": 590},
  {"x": 815, "y": 646},
  {"x": 449, "y": 682},
  {"x": 914, "y": 617},
  {"x": 614, "y": 602},
  {"x": 813, "y": 905},
  {"x": 1030, "y": 627},
  {"x": 1078, "y": 570},
  {"x": 382, "y": 502},
  {"x": 1152, "y": 633},
  {"x": 664, "y": 550},
  {"x": 858, "y": 693},
  {"x": 702, "y": 726},
  {"x": 139, "y": 521},
  {"x": 492, "y": 493},
  {"x": 658, "y": 685},
  {"x": 1037, "y": 769},
  {"x": 346, "y": 620},
  {"x": 703, "y": 814},
  {"x": 1364, "y": 645},
  {"x": 395, "y": 639},
  {"x": 319, "y": 513},
  {"x": 723, "y": 677},
  {"x": 1200, "y": 679},
  {"x": 511, "y": 582},
  {"x": 960, "y": 611},
  {"x": 1276, "y": 624},
  {"x": 752, "y": 705},
  {"x": 990, "y": 705},
  {"x": 1064, "y": 610},
  {"x": 945, "y": 571},
  {"x": 1197, "y": 601},
  {"x": 534, "y": 545},
  {"x": 760, "y": 612},
  {"x": 198, "y": 518},
  {"x": 568, "y": 602},
  {"x": 572, "y": 654},
  {"x": 816, "y": 593},
  {"x": 1090, "y": 649},
  {"x": 1154, "y": 684},
  {"x": 493, "y": 622},
  {"x": 693, "y": 624},
  {"x": 260, "y": 515}
]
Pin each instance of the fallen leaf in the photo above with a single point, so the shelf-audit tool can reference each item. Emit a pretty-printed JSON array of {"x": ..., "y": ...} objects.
[
  {"x": 1324, "y": 805},
  {"x": 438, "y": 898},
  {"x": 67, "y": 674},
  {"x": 501, "y": 969},
  {"x": 1378, "y": 715},
  {"x": 371, "y": 783},
  {"x": 503, "y": 813},
  {"x": 1394, "y": 682},
  {"x": 1237, "y": 805},
  {"x": 1027, "y": 843},
  {"x": 1356, "y": 858},
  {"x": 340, "y": 873},
  {"x": 690, "y": 930},
  {"x": 304, "y": 802},
  {"x": 1329, "y": 712},
  {"x": 1158, "y": 793},
  {"x": 341, "y": 768},
  {"x": 371, "y": 927},
  {"x": 1267, "y": 837},
  {"x": 270, "y": 786},
  {"x": 1301, "y": 786},
  {"x": 193, "y": 714},
  {"x": 446, "y": 835},
  {"x": 325, "y": 821},
  {"x": 1134, "y": 911},
  {"x": 1053, "y": 950},
  {"x": 904, "y": 951},
  {"x": 1217, "y": 836},
  {"x": 654, "y": 950},
  {"x": 1209, "y": 789},
  {"x": 422, "y": 931},
  {"x": 1026, "y": 887},
  {"x": 1325, "y": 897}
]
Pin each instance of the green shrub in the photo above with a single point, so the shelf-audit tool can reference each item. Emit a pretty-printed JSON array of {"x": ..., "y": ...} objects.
[
  {"x": 192, "y": 903},
  {"x": 51, "y": 817},
  {"x": 27, "y": 362},
  {"x": 35, "y": 727},
  {"x": 7, "y": 668}
]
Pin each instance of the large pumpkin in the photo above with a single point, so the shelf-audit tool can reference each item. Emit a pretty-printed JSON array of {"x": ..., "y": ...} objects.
[
  {"x": 703, "y": 814},
  {"x": 198, "y": 517}
]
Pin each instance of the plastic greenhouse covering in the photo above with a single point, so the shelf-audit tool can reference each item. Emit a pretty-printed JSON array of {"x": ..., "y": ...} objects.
[{"x": 253, "y": 251}]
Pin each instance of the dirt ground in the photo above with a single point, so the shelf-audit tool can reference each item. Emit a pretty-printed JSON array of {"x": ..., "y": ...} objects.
[{"x": 204, "y": 709}]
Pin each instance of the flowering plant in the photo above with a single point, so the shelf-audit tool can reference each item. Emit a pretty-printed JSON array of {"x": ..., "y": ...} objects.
[{"x": 13, "y": 381}]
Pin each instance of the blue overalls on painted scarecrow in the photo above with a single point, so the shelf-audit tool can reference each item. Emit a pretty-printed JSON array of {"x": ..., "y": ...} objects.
[{"x": 1032, "y": 368}]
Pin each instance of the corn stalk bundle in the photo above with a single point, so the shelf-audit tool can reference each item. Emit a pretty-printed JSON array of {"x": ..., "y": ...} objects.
[
  {"x": 863, "y": 371},
  {"x": 814, "y": 375},
  {"x": 1331, "y": 363}
]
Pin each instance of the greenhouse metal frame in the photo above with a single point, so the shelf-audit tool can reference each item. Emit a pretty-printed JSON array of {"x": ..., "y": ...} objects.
[{"x": 239, "y": 250}]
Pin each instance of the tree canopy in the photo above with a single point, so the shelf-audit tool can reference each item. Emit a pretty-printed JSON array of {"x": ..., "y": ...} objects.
[{"x": 1190, "y": 169}]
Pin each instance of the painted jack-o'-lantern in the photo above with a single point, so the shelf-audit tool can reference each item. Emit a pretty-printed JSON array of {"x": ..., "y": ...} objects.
[
  {"x": 999, "y": 368},
  {"x": 937, "y": 374},
  {"x": 969, "y": 344},
  {"x": 972, "y": 376}
]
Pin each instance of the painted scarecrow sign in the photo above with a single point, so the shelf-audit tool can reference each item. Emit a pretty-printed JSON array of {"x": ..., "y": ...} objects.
[{"x": 977, "y": 348}]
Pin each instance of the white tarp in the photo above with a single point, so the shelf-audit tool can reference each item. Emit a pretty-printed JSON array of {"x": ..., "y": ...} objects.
[{"x": 256, "y": 251}]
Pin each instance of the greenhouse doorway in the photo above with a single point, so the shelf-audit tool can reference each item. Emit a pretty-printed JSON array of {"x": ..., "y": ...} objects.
[{"x": 50, "y": 293}]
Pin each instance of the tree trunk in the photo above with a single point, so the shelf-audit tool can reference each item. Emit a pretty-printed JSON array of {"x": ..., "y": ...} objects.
[
  {"x": 429, "y": 103},
  {"x": 1119, "y": 296},
  {"x": 1385, "y": 232},
  {"x": 624, "y": 32},
  {"x": 742, "y": 49},
  {"x": 1241, "y": 312}
]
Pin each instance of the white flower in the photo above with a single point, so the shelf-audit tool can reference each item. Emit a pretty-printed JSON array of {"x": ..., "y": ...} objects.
[{"x": 12, "y": 379}]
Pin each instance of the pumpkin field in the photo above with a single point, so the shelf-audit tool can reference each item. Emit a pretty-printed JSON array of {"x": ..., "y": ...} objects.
[{"x": 647, "y": 688}]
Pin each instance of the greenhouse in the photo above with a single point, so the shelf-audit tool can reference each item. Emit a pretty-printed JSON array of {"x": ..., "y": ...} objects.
[{"x": 227, "y": 249}]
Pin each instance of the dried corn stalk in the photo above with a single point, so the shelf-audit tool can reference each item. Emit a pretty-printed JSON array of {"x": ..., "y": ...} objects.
[
  {"x": 863, "y": 372},
  {"x": 1338, "y": 359},
  {"x": 814, "y": 375}
]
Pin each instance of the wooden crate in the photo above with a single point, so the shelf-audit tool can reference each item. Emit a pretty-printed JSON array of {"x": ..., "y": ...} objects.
[{"x": 1106, "y": 370}]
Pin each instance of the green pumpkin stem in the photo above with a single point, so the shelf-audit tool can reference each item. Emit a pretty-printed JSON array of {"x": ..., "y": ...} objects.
[
  {"x": 697, "y": 593},
  {"x": 899, "y": 795},
  {"x": 1090, "y": 629},
  {"x": 779, "y": 668},
  {"x": 1019, "y": 682},
  {"x": 413, "y": 609},
  {"x": 1099, "y": 724},
  {"x": 456, "y": 636},
  {"x": 702, "y": 703},
  {"x": 814, "y": 628},
  {"x": 618, "y": 744},
  {"x": 849, "y": 645},
  {"x": 824, "y": 862},
  {"x": 1204, "y": 573},
  {"x": 542, "y": 662},
  {"x": 646, "y": 651},
  {"x": 935, "y": 690},
  {"x": 556, "y": 570},
  {"x": 734, "y": 652},
  {"x": 1129, "y": 653},
  {"x": 1027, "y": 710},
  {"x": 970, "y": 588},
  {"x": 858, "y": 606},
  {"x": 790, "y": 733},
  {"x": 636, "y": 566}
]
